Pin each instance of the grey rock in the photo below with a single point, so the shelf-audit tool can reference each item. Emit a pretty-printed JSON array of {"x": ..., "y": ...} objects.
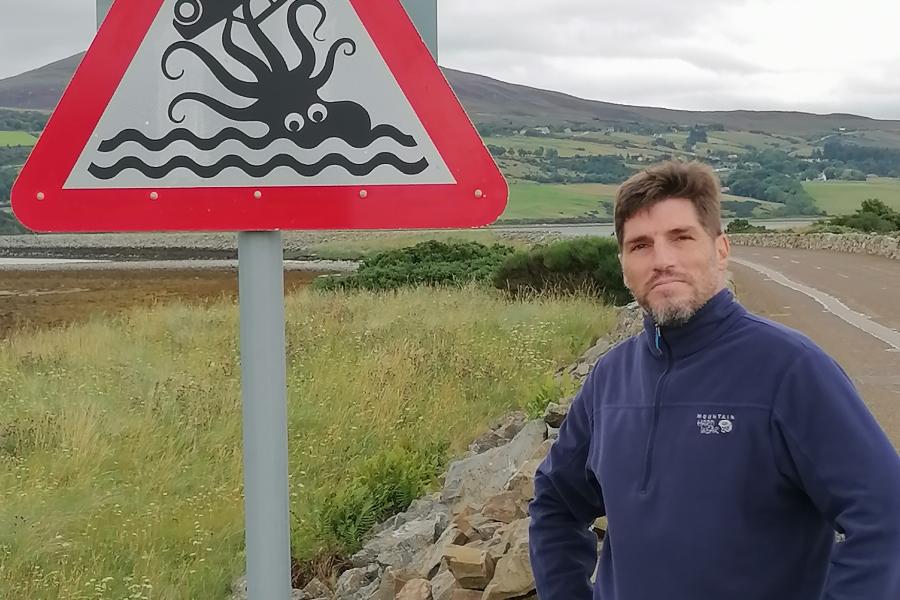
[
  {"x": 486, "y": 441},
  {"x": 593, "y": 354},
  {"x": 423, "y": 508},
  {"x": 351, "y": 581},
  {"x": 474, "y": 480},
  {"x": 499, "y": 432},
  {"x": 397, "y": 548},
  {"x": 555, "y": 414},
  {"x": 316, "y": 589},
  {"x": 442, "y": 586}
]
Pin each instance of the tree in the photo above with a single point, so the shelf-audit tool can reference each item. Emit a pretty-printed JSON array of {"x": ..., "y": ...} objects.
[{"x": 697, "y": 135}]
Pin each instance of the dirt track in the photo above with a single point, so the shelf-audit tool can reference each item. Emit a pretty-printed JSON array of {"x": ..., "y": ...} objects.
[{"x": 865, "y": 284}]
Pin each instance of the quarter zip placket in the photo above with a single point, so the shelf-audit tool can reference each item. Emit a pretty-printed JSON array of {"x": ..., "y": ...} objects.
[{"x": 657, "y": 400}]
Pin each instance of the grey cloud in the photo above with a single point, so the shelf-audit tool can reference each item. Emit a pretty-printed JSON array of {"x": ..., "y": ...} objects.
[
  {"x": 685, "y": 54},
  {"x": 38, "y": 32}
]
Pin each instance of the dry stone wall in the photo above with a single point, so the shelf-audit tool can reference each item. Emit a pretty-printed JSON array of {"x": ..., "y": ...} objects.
[{"x": 887, "y": 246}]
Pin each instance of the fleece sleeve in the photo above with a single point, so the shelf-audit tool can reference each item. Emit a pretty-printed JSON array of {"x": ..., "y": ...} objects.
[
  {"x": 567, "y": 500},
  {"x": 833, "y": 448}
]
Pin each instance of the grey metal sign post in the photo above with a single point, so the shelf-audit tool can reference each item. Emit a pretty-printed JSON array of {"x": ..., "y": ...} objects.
[
  {"x": 423, "y": 14},
  {"x": 102, "y": 9},
  {"x": 264, "y": 385},
  {"x": 264, "y": 391}
]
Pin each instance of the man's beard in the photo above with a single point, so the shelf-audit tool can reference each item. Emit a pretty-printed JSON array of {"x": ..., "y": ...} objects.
[{"x": 675, "y": 314}]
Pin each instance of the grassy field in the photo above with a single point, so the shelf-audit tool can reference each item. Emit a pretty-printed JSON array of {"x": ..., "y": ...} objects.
[
  {"x": 16, "y": 138},
  {"x": 120, "y": 455},
  {"x": 542, "y": 201},
  {"x": 538, "y": 201},
  {"x": 844, "y": 197}
]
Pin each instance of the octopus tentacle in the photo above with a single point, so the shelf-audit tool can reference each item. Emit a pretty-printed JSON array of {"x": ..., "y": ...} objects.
[
  {"x": 229, "y": 112},
  {"x": 276, "y": 61},
  {"x": 328, "y": 68},
  {"x": 232, "y": 83},
  {"x": 307, "y": 52},
  {"x": 259, "y": 69}
]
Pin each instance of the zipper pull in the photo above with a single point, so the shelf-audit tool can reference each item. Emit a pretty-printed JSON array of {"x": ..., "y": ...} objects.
[{"x": 658, "y": 336}]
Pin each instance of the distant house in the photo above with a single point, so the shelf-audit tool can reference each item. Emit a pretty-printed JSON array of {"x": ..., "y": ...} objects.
[
  {"x": 543, "y": 130},
  {"x": 726, "y": 190},
  {"x": 822, "y": 177},
  {"x": 733, "y": 157}
]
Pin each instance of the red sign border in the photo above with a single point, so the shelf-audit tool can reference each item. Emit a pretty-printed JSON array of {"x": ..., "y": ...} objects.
[{"x": 41, "y": 203}]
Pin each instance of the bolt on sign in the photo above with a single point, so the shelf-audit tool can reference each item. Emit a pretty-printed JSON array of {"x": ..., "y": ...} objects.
[{"x": 244, "y": 115}]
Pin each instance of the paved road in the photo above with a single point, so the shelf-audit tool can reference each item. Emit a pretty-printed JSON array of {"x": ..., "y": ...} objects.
[{"x": 854, "y": 313}]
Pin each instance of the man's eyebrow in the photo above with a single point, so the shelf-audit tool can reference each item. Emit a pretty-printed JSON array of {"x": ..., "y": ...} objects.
[
  {"x": 680, "y": 230},
  {"x": 640, "y": 238}
]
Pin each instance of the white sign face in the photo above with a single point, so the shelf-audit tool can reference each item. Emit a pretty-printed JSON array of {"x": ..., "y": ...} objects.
[{"x": 237, "y": 93}]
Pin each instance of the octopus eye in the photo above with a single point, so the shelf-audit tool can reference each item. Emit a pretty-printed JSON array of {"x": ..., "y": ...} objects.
[
  {"x": 294, "y": 122},
  {"x": 188, "y": 12},
  {"x": 317, "y": 113}
]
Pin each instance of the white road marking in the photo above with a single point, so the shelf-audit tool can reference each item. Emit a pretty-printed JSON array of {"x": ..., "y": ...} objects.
[
  {"x": 796, "y": 262},
  {"x": 830, "y": 304},
  {"x": 844, "y": 276}
]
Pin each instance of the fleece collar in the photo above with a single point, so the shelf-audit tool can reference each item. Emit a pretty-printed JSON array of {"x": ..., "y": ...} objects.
[{"x": 701, "y": 331}]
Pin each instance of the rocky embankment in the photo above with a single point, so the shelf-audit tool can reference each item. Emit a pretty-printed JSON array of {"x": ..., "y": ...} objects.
[
  {"x": 860, "y": 243},
  {"x": 468, "y": 541}
]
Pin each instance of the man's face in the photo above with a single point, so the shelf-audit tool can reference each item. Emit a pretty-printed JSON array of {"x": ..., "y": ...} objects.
[{"x": 671, "y": 264}]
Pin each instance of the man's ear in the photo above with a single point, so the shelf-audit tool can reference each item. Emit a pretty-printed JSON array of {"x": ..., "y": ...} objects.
[
  {"x": 622, "y": 265},
  {"x": 723, "y": 251}
]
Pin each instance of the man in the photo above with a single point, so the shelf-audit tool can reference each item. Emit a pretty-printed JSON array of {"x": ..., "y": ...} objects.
[{"x": 724, "y": 449}]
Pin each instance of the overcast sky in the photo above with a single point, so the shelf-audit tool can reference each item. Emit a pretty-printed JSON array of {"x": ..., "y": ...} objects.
[{"x": 812, "y": 55}]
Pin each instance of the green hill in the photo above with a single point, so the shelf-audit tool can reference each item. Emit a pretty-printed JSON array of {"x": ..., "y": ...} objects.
[{"x": 563, "y": 155}]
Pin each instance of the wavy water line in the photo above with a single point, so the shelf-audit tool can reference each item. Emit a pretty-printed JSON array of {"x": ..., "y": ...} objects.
[
  {"x": 230, "y": 133},
  {"x": 281, "y": 160}
]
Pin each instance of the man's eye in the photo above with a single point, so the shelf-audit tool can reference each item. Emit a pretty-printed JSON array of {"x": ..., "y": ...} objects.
[
  {"x": 638, "y": 247},
  {"x": 685, "y": 237}
]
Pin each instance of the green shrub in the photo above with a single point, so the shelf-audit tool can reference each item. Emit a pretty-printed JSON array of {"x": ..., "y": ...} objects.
[
  {"x": 383, "y": 486},
  {"x": 874, "y": 216},
  {"x": 744, "y": 226},
  {"x": 582, "y": 265},
  {"x": 551, "y": 389},
  {"x": 430, "y": 263}
]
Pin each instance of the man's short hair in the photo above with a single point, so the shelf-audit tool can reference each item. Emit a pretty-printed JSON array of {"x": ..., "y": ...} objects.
[{"x": 692, "y": 181}]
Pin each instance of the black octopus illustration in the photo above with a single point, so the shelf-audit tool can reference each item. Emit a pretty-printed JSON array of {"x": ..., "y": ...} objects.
[{"x": 287, "y": 100}]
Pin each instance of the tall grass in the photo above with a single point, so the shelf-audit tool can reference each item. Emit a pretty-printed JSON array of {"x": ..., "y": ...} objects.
[{"x": 120, "y": 439}]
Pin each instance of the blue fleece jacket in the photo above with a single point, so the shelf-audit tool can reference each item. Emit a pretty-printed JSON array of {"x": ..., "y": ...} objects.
[{"x": 724, "y": 454}]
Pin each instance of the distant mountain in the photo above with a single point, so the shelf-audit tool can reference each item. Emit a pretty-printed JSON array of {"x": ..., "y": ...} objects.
[
  {"x": 41, "y": 88},
  {"x": 490, "y": 101}
]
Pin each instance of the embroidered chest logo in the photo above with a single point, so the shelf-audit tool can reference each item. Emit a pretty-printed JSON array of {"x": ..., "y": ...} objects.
[{"x": 715, "y": 423}]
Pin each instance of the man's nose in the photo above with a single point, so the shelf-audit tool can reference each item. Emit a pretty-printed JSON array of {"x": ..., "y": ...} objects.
[{"x": 663, "y": 255}]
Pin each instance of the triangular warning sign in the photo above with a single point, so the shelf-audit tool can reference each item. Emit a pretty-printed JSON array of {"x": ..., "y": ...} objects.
[{"x": 256, "y": 115}]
